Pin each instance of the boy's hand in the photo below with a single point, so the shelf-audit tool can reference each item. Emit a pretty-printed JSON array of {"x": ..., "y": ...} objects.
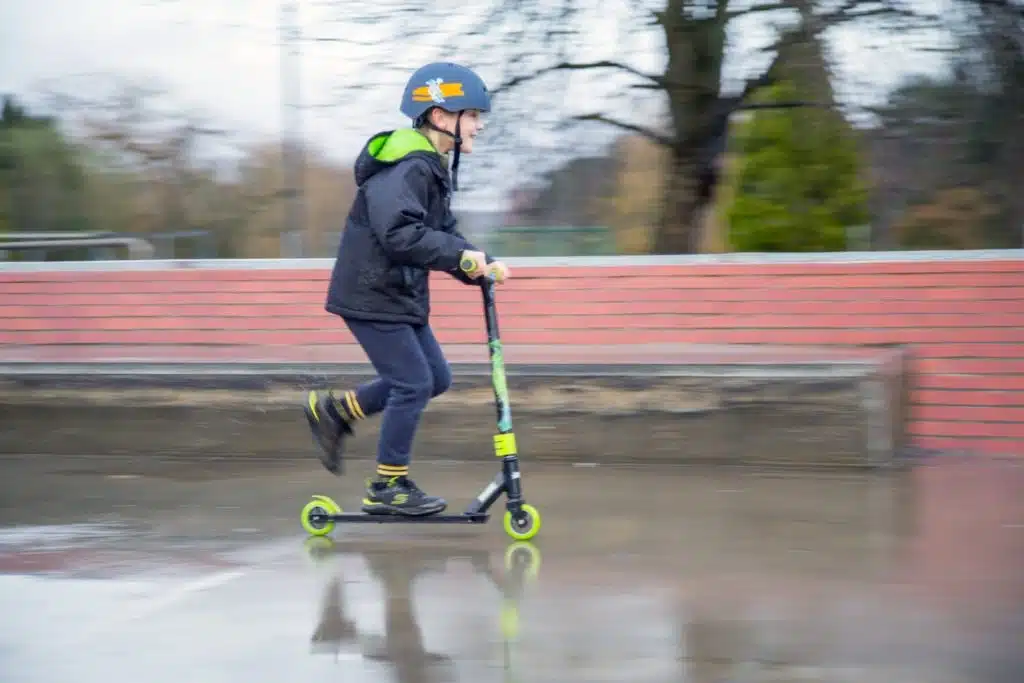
[
  {"x": 499, "y": 270},
  {"x": 473, "y": 263}
]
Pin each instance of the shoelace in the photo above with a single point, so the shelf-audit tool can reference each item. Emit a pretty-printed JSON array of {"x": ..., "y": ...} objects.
[
  {"x": 403, "y": 482},
  {"x": 408, "y": 484}
]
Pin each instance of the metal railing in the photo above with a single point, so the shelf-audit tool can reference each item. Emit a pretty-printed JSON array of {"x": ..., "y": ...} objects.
[
  {"x": 550, "y": 240},
  {"x": 37, "y": 246}
]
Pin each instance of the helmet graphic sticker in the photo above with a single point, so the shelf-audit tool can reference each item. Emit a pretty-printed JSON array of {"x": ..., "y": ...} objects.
[{"x": 437, "y": 91}]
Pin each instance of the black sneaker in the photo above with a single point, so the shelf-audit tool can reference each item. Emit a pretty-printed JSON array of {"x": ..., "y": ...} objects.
[
  {"x": 399, "y": 496},
  {"x": 329, "y": 429}
]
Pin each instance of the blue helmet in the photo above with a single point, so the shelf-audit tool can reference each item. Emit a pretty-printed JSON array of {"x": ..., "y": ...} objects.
[{"x": 451, "y": 87}]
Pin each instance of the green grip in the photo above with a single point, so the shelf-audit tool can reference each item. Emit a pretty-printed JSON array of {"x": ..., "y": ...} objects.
[{"x": 467, "y": 265}]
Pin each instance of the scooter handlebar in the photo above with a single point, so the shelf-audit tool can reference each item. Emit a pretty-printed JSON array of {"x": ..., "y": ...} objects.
[{"x": 468, "y": 266}]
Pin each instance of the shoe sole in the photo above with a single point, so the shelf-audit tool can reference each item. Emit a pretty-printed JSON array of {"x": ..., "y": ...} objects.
[{"x": 382, "y": 509}]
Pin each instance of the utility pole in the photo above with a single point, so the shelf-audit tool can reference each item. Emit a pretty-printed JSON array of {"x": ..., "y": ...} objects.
[{"x": 292, "y": 153}]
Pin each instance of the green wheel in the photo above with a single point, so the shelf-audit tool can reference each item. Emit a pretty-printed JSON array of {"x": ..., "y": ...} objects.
[
  {"x": 524, "y": 525},
  {"x": 320, "y": 505}
]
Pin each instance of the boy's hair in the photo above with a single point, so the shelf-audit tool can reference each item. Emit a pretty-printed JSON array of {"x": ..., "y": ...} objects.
[{"x": 422, "y": 121}]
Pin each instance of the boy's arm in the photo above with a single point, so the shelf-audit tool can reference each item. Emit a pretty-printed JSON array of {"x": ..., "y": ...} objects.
[
  {"x": 397, "y": 212},
  {"x": 449, "y": 226}
]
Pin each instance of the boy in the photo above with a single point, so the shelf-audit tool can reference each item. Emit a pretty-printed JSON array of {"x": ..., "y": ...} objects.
[{"x": 399, "y": 228}]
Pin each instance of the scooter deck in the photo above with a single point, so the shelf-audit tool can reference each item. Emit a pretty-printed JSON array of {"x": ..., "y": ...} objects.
[{"x": 362, "y": 517}]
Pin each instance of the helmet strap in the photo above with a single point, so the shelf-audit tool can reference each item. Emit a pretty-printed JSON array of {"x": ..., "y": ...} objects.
[{"x": 458, "y": 150}]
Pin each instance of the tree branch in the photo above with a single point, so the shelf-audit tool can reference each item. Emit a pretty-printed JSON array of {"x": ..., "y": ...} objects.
[
  {"x": 654, "y": 136},
  {"x": 796, "y": 104},
  {"x": 754, "y": 84},
  {"x": 854, "y": 10},
  {"x": 762, "y": 7},
  {"x": 1005, "y": 5},
  {"x": 652, "y": 80}
]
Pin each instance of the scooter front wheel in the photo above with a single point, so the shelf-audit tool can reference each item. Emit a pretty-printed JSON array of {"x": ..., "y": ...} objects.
[{"x": 523, "y": 525}]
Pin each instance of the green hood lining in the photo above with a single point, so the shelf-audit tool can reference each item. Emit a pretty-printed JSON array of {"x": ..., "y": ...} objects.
[{"x": 400, "y": 143}]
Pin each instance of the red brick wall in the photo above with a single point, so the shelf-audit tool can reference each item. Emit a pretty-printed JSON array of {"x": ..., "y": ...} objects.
[{"x": 963, "y": 321}]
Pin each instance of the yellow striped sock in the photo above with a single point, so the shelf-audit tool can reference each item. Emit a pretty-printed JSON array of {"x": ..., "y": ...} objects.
[
  {"x": 349, "y": 406},
  {"x": 388, "y": 471}
]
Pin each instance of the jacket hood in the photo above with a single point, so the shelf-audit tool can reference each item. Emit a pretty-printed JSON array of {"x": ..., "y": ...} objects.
[{"x": 387, "y": 148}]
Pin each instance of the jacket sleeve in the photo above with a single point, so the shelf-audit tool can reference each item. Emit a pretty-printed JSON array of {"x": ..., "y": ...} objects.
[{"x": 397, "y": 211}]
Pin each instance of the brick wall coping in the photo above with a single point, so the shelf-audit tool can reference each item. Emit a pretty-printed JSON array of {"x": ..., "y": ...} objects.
[{"x": 536, "y": 262}]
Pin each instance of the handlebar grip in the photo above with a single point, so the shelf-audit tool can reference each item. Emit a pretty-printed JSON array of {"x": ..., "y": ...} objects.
[{"x": 467, "y": 265}]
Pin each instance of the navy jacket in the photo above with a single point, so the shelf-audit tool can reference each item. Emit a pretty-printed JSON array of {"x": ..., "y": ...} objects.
[{"x": 399, "y": 228}]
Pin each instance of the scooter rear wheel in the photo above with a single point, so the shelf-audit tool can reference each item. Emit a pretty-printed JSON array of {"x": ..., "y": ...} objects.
[{"x": 320, "y": 505}]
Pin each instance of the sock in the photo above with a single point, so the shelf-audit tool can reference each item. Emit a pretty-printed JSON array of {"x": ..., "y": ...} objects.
[
  {"x": 348, "y": 407},
  {"x": 389, "y": 471}
]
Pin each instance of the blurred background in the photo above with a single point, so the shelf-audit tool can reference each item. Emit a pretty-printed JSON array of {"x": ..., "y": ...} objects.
[{"x": 227, "y": 128}]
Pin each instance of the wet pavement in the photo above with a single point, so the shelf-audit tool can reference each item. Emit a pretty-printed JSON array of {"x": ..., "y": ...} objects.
[{"x": 128, "y": 569}]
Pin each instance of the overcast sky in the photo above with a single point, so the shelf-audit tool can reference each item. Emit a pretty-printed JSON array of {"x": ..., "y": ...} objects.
[{"x": 222, "y": 58}]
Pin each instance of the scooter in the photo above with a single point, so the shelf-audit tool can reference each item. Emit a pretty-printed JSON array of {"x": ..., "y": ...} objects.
[{"x": 522, "y": 521}]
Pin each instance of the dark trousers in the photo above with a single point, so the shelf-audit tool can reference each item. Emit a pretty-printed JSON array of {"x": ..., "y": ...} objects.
[{"x": 411, "y": 370}]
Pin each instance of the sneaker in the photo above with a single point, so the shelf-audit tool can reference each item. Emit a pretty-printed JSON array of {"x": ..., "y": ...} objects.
[
  {"x": 329, "y": 429},
  {"x": 399, "y": 496}
]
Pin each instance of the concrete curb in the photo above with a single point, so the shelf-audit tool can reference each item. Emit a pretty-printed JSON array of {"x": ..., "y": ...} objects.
[{"x": 198, "y": 375}]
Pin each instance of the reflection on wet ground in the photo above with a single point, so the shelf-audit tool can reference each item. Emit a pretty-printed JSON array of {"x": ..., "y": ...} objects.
[{"x": 117, "y": 570}]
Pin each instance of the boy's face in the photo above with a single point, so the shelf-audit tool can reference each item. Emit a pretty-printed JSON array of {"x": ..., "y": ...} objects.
[{"x": 471, "y": 125}]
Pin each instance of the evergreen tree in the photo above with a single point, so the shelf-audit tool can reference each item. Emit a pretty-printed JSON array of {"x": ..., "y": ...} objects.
[
  {"x": 795, "y": 185},
  {"x": 42, "y": 183}
]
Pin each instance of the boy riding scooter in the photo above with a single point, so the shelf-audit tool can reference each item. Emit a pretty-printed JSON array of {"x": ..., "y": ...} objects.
[{"x": 399, "y": 228}]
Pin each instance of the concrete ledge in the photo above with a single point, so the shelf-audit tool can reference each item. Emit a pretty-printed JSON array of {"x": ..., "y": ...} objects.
[
  {"x": 261, "y": 375},
  {"x": 226, "y": 359},
  {"x": 796, "y": 412}
]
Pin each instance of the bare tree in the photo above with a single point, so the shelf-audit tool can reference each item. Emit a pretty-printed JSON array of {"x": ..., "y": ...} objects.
[
  {"x": 138, "y": 130},
  {"x": 596, "y": 46},
  {"x": 949, "y": 148}
]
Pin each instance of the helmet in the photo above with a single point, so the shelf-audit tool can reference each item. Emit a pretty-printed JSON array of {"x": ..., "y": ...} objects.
[{"x": 451, "y": 87}]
